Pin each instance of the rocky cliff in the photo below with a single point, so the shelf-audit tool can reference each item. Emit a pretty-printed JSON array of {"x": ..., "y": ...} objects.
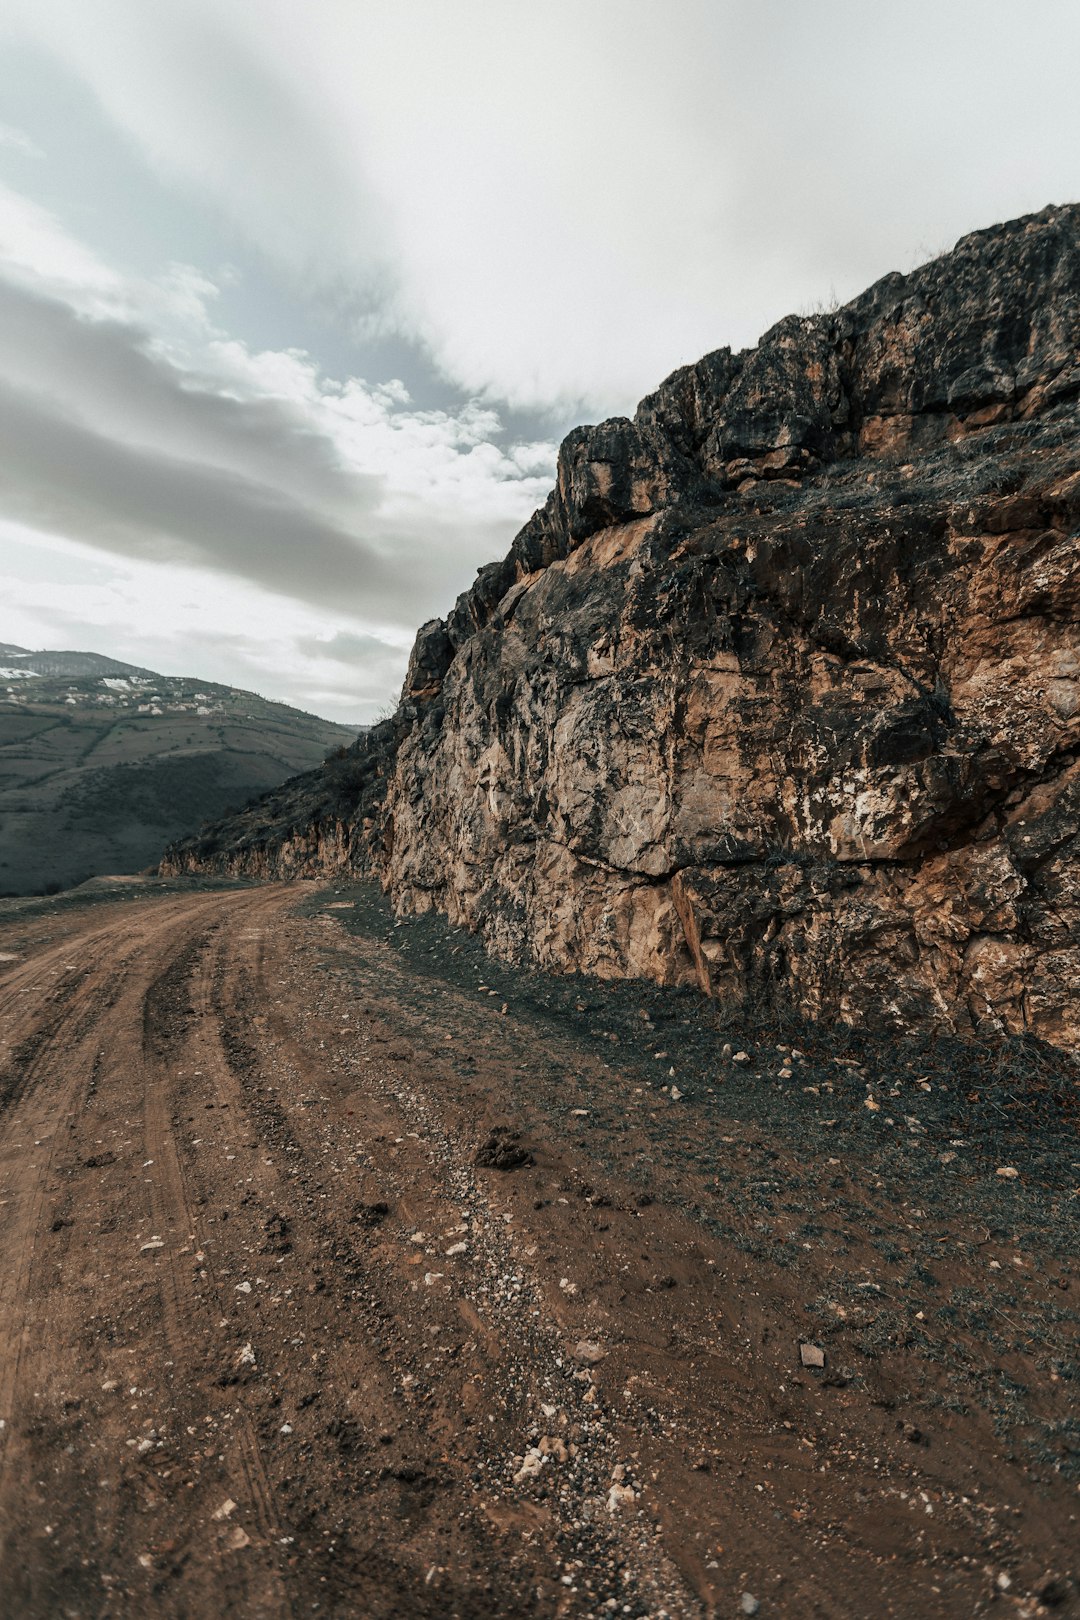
[{"x": 779, "y": 693}]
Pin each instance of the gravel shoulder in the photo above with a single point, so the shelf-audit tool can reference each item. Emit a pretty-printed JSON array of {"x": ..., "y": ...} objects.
[{"x": 278, "y": 1336}]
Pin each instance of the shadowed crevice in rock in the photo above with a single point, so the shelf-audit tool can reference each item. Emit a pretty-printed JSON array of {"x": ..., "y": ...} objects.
[{"x": 780, "y": 690}]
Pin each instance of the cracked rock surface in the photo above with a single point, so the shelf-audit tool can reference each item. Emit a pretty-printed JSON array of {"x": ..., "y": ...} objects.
[{"x": 779, "y": 693}]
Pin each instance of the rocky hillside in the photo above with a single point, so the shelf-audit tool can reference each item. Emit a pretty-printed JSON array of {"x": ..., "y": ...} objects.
[
  {"x": 779, "y": 693},
  {"x": 102, "y": 762}
]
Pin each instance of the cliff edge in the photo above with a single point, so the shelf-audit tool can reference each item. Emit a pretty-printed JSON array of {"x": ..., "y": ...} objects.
[{"x": 779, "y": 693}]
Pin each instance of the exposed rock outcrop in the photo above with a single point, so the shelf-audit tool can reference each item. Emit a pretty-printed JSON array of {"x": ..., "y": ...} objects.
[{"x": 780, "y": 691}]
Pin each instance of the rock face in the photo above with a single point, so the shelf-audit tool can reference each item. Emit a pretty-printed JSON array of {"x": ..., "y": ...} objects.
[{"x": 779, "y": 693}]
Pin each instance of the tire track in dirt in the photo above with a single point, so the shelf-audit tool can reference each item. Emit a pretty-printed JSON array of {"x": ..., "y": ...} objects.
[
  {"x": 439, "y": 1173},
  {"x": 367, "y": 1572},
  {"x": 50, "y": 1279},
  {"x": 38, "y": 1117},
  {"x": 296, "y": 1349},
  {"x": 177, "y": 1028}
]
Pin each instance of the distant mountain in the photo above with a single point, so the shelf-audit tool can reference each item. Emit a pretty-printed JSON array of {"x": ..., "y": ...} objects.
[
  {"x": 102, "y": 762},
  {"x": 18, "y": 662}
]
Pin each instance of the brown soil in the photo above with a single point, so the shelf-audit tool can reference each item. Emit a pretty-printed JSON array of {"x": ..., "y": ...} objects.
[{"x": 273, "y": 1342}]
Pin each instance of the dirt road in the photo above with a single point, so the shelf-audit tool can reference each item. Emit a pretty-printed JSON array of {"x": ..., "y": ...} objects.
[{"x": 274, "y": 1343}]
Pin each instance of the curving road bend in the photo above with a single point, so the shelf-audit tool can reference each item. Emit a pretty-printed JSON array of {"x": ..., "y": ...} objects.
[{"x": 273, "y": 1343}]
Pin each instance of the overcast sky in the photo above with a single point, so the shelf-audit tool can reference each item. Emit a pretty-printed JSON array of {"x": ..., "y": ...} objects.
[{"x": 297, "y": 297}]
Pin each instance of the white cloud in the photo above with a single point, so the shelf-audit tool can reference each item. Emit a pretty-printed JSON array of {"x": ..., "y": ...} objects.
[
  {"x": 565, "y": 201},
  {"x": 129, "y": 420},
  {"x": 166, "y": 617},
  {"x": 17, "y": 140},
  {"x": 36, "y": 250},
  {"x": 556, "y": 203}
]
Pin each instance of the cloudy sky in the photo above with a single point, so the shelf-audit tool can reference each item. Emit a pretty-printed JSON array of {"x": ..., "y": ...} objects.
[{"x": 297, "y": 297}]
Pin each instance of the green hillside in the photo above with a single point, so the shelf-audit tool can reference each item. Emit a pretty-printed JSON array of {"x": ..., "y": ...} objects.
[{"x": 103, "y": 763}]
